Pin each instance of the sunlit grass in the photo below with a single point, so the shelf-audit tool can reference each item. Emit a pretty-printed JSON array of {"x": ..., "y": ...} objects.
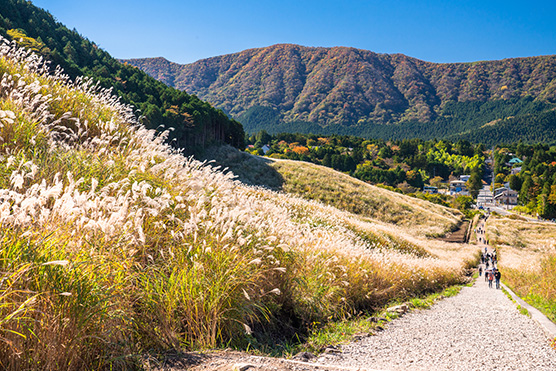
[
  {"x": 344, "y": 192},
  {"x": 527, "y": 259},
  {"x": 112, "y": 244}
]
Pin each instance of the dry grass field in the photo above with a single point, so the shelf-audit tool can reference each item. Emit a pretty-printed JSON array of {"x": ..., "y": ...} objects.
[
  {"x": 527, "y": 252},
  {"x": 113, "y": 244},
  {"x": 522, "y": 243},
  {"x": 330, "y": 187}
]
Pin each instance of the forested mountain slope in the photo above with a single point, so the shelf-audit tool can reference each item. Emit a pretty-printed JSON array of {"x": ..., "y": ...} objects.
[
  {"x": 350, "y": 91},
  {"x": 195, "y": 123}
]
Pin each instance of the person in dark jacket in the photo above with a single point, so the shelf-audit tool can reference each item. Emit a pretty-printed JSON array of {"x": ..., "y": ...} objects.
[{"x": 497, "y": 276}]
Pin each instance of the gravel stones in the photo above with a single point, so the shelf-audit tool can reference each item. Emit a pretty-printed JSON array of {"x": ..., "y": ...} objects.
[{"x": 478, "y": 329}]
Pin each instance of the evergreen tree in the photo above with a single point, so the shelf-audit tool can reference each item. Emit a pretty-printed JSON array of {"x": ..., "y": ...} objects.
[
  {"x": 474, "y": 184},
  {"x": 327, "y": 160},
  {"x": 524, "y": 194},
  {"x": 515, "y": 182}
]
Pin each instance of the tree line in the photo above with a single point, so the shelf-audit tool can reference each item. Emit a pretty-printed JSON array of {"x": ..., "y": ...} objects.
[
  {"x": 407, "y": 164},
  {"x": 195, "y": 124},
  {"x": 534, "y": 178}
]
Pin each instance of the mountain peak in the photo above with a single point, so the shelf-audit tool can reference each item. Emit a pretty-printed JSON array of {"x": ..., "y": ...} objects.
[{"x": 344, "y": 87}]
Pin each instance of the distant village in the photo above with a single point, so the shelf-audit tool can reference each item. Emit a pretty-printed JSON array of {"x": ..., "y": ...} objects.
[{"x": 501, "y": 196}]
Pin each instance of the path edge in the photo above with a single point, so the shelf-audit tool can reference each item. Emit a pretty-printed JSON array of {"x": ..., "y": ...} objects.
[{"x": 544, "y": 323}]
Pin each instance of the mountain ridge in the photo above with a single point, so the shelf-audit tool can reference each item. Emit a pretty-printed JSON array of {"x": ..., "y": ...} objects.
[{"x": 345, "y": 87}]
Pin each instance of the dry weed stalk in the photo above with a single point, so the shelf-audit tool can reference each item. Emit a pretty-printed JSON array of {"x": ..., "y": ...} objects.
[{"x": 113, "y": 243}]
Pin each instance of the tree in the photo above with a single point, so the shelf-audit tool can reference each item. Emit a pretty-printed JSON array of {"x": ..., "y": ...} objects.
[
  {"x": 436, "y": 181},
  {"x": 545, "y": 208},
  {"x": 414, "y": 179},
  {"x": 499, "y": 178},
  {"x": 385, "y": 152},
  {"x": 349, "y": 164},
  {"x": 515, "y": 182},
  {"x": 479, "y": 149},
  {"x": 263, "y": 137},
  {"x": 464, "y": 148},
  {"x": 336, "y": 162},
  {"x": 327, "y": 160},
  {"x": 475, "y": 183},
  {"x": 462, "y": 202},
  {"x": 524, "y": 194}
]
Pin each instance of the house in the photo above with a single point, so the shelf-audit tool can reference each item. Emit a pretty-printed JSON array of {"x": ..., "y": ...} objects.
[
  {"x": 514, "y": 161},
  {"x": 464, "y": 178},
  {"x": 265, "y": 148},
  {"x": 430, "y": 189},
  {"x": 507, "y": 197},
  {"x": 500, "y": 190},
  {"x": 458, "y": 187},
  {"x": 516, "y": 170}
]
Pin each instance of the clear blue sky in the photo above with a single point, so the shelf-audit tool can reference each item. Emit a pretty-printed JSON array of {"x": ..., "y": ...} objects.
[{"x": 184, "y": 31}]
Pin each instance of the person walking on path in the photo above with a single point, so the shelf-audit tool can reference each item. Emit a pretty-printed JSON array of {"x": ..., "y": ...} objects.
[
  {"x": 497, "y": 276},
  {"x": 490, "y": 278},
  {"x": 454, "y": 334}
]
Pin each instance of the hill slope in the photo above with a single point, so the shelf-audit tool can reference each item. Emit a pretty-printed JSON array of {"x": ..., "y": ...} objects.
[
  {"x": 195, "y": 123},
  {"x": 331, "y": 187},
  {"x": 113, "y": 244},
  {"x": 351, "y": 91}
]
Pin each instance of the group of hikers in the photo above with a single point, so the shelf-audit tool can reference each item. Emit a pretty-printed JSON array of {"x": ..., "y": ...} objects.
[
  {"x": 489, "y": 260},
  {"x": 482, "y": 239}
]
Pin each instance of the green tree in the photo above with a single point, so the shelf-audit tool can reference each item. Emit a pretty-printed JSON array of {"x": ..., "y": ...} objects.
[
  {"x": 327, "y": 160},
  {"x": 385, "y": 152},
  {"x": 545, "y": 208},
  {"x": 474, "y": 184},
  {"x": 414, "y": 179},
  {"x": 263, "y": 138},
  {"x": 515, "y": 182}
]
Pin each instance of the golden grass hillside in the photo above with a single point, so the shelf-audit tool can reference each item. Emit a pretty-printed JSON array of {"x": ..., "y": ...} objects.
[
  {"x": 335, "y": 188},
  {"x": 113, "y": 245},
  {"x": 527, "y": 252}
]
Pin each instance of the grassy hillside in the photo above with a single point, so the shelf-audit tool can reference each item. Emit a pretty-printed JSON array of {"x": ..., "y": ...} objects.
[
  {"x": 195, "y": 123},
  {"x": 113, "y": 245},
  {"x": 346, "y": 193},
  {"x": 315, "y": 182},
  {"x": 527, "y": 252},
  {"x": 348, "y": 91}
]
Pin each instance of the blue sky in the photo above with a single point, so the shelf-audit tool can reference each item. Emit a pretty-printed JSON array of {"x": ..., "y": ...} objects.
[{"x": 436, "y": 31}]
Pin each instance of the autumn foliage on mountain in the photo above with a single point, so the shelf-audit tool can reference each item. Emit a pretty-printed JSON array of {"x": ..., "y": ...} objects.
[{"x": 350, "y": 91}]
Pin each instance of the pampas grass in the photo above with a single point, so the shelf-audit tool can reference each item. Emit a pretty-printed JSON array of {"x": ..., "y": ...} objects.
[{"x": 113, "y": 244}]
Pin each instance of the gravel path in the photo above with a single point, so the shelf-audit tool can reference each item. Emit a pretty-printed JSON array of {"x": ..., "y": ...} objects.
[{"x": 478, "y": 329}]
